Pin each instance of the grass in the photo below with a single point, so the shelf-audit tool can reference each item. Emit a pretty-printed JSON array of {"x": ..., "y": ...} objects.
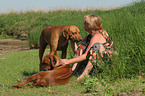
[
  {"x": 124, "y": 25},
  {"x": 19, "y": 64}
]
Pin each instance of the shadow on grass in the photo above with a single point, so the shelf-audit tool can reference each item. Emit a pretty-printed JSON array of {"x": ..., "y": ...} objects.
[{"x": 25, "y": 73}]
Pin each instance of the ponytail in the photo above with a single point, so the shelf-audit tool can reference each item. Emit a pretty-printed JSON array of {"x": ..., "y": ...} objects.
[{"x": 104, "y": 33}]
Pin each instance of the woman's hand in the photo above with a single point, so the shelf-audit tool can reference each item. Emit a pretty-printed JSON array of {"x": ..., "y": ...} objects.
[{"x": 63, "y": 62}]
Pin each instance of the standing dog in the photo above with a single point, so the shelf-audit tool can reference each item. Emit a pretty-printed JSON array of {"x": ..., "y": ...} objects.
[
  {"x": 57, "y": 38},
  {"x": 59, "y": 75}
]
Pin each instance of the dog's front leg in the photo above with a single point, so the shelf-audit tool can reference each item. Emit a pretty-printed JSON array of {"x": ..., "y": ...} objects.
[
  {"x": 30, "y": 79},
  {"x": 53, "y": 46},
  {"x": 74, "y": 46},
  {"x": 42, "y": 48},
  {"x": 64, "y": 51}
]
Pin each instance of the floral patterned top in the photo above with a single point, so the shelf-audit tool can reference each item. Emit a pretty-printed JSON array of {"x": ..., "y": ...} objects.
[{"x": 95, "y": 54}]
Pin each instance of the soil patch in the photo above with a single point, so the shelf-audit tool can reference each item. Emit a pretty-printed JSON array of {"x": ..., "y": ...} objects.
[{"x": 11, "y": 45}]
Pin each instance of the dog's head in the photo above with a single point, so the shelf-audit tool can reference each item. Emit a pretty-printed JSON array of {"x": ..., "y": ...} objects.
[
  {"x": 49, "y": 62},
  {"x": 73, "y": 33}
]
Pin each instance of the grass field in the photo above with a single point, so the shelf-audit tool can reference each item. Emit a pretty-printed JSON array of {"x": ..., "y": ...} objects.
[
  {"x": 17, "y": 65},
  {"x": 125, "y": 26}
]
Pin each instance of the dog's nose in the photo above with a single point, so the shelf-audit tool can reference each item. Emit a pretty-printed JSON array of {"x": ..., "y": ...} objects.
[{"x": 81, "y": 39}]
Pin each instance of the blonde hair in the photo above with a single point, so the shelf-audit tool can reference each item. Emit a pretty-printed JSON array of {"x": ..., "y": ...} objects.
[{"x": 95, "y": 22}]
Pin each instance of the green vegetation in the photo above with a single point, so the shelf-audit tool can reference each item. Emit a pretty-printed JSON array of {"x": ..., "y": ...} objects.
[
  {"x": 19, "y": 64},
  {"x": 124, "y": 25}
]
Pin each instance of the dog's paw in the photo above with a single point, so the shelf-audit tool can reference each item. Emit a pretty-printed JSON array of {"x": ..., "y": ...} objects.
[{"x": 22, "y": 79}]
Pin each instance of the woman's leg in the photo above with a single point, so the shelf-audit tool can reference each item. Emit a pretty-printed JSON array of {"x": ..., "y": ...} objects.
[
  {"x": 86, "y": 71},
  {"x": 74, "y": 66}
]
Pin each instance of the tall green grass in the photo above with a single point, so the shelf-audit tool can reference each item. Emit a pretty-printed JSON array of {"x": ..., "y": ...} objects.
[{"x": 124, "y": 25}]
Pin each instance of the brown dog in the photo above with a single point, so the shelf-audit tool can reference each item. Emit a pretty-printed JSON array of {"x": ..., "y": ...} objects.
[
  {"x": 57, "y": 38},
  {"x": 59, "y": 75}
]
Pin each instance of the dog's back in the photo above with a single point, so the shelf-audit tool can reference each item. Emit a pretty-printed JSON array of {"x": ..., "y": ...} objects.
[{"x": 58, "y": 76}]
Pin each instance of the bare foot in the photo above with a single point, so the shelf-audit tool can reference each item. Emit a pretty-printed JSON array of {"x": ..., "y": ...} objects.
[{"x": 80, "y": 77}]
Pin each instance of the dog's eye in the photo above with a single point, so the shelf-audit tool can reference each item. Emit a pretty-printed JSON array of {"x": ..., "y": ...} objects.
[
  {"x": 44, "y": 63},
  {"x": 86, "y": 22}
]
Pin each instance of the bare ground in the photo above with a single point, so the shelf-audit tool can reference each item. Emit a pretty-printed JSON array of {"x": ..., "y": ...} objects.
[{"x": 11, "y": 45}]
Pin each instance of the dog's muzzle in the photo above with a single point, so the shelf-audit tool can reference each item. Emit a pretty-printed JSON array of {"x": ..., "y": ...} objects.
[{"x": 76, "y": 38}]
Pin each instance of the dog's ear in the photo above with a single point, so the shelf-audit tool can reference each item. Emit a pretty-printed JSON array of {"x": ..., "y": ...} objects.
[
  {"x": 65, "y": 34},
  {"x": 57, "y": 64},
  {"x": 51, "y": 61}
]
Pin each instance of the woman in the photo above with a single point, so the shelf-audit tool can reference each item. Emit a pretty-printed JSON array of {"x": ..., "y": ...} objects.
[{"x": 96, "y": 44}]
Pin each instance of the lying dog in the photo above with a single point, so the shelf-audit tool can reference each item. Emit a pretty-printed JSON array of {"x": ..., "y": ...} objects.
[
  {"x": 57, "y": 38},
  {"x": 59, "y": 75}
]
